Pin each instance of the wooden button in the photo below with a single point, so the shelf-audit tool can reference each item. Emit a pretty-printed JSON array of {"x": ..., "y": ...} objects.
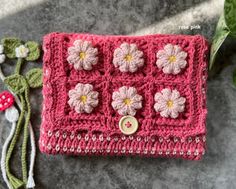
[{"x": 128, "y": 125}]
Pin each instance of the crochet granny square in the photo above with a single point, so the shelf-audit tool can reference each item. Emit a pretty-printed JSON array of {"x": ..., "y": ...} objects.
[{"x": 124, "y": 95}]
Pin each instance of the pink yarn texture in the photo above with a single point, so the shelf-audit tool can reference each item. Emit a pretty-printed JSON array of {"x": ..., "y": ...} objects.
[{"x": 96, "y": 132}]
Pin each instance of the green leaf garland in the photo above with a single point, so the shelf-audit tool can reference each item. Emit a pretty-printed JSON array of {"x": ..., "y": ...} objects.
[
  {"x": 34, "y": 77},
  {"x": 34, "y": 51},
  {"x": 10, "y": 45},
  {"x": 16, "y": 83},
  {"x": 20, "y": 85}
]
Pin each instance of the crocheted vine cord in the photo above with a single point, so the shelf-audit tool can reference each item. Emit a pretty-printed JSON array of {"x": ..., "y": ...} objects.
[
  {"x": 30, "y": 182},
  {"x": 18, "y": 65},
  {"x": 25, "y": 139},
  {"x": 25, "y": 105},
  {"x": 15, "y": 182}
]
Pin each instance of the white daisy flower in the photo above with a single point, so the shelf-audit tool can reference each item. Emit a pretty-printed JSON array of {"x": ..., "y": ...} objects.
[
  {"x": 169, "y": 103},
  {"x": 128, "y": 58},
  {"x": 82, "y": 55},
  {"x": 171, "y": 59},
  {"x": 126, "y": 101},
  {"x": 83, "y": 98},
  {"x": 21, "y": 51},
  {"x": 2, "y": 56}
]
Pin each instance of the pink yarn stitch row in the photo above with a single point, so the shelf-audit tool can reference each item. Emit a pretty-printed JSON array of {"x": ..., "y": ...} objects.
[{"x": 98, "y": 144}]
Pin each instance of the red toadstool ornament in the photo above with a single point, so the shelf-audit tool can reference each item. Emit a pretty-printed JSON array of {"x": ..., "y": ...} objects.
[{"x": 6, "y": 100}]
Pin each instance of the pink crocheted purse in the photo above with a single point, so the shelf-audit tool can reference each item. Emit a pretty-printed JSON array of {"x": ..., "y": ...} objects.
[{"x": 124, "y": 95}]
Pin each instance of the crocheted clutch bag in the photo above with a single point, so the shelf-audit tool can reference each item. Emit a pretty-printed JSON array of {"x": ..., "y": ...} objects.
[{"x": 124, "y": 95}]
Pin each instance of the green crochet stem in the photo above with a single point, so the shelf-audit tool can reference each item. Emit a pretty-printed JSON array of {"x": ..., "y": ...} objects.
[
  {"x": 20, "y": 85},
  {"x": 25, "y": 139},
  {"x": 24, "y": 98},
  {"x": 18, "y": 65},
  {"x": 15, "y": 182}
]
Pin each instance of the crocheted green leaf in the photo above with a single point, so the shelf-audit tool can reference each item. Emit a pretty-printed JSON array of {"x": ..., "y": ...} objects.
[
  {"x": 221, "y": 33},
  {"x": 16, "y": 83},
  {"x": 230, "y": 15},
  {"x": 10, "y": 45},
  {"x": 35, "y": 78},
  {"x": 34, "y": 50}
]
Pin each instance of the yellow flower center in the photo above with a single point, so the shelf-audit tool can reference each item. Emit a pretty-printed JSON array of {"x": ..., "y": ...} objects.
[
  {"x": 169, "y": 103},
  {"x": 128, "y": 57},
  {"x": 83, "y": 98},
  {"x": 22, "y": 50},
  {"x": 82, "y": 55},
  {"x": 127, "y": 101},
  {"x": 172, "y": 59}
]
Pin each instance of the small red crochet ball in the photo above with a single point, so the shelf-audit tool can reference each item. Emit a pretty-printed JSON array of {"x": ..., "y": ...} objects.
[{"x": 6, "y": 100}]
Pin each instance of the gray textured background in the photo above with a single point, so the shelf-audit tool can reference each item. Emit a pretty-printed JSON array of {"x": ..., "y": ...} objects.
[{"x": 31, "y": 19}]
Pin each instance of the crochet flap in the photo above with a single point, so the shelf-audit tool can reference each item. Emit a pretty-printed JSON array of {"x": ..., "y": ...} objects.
[{"x": 91, "y": 82}]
